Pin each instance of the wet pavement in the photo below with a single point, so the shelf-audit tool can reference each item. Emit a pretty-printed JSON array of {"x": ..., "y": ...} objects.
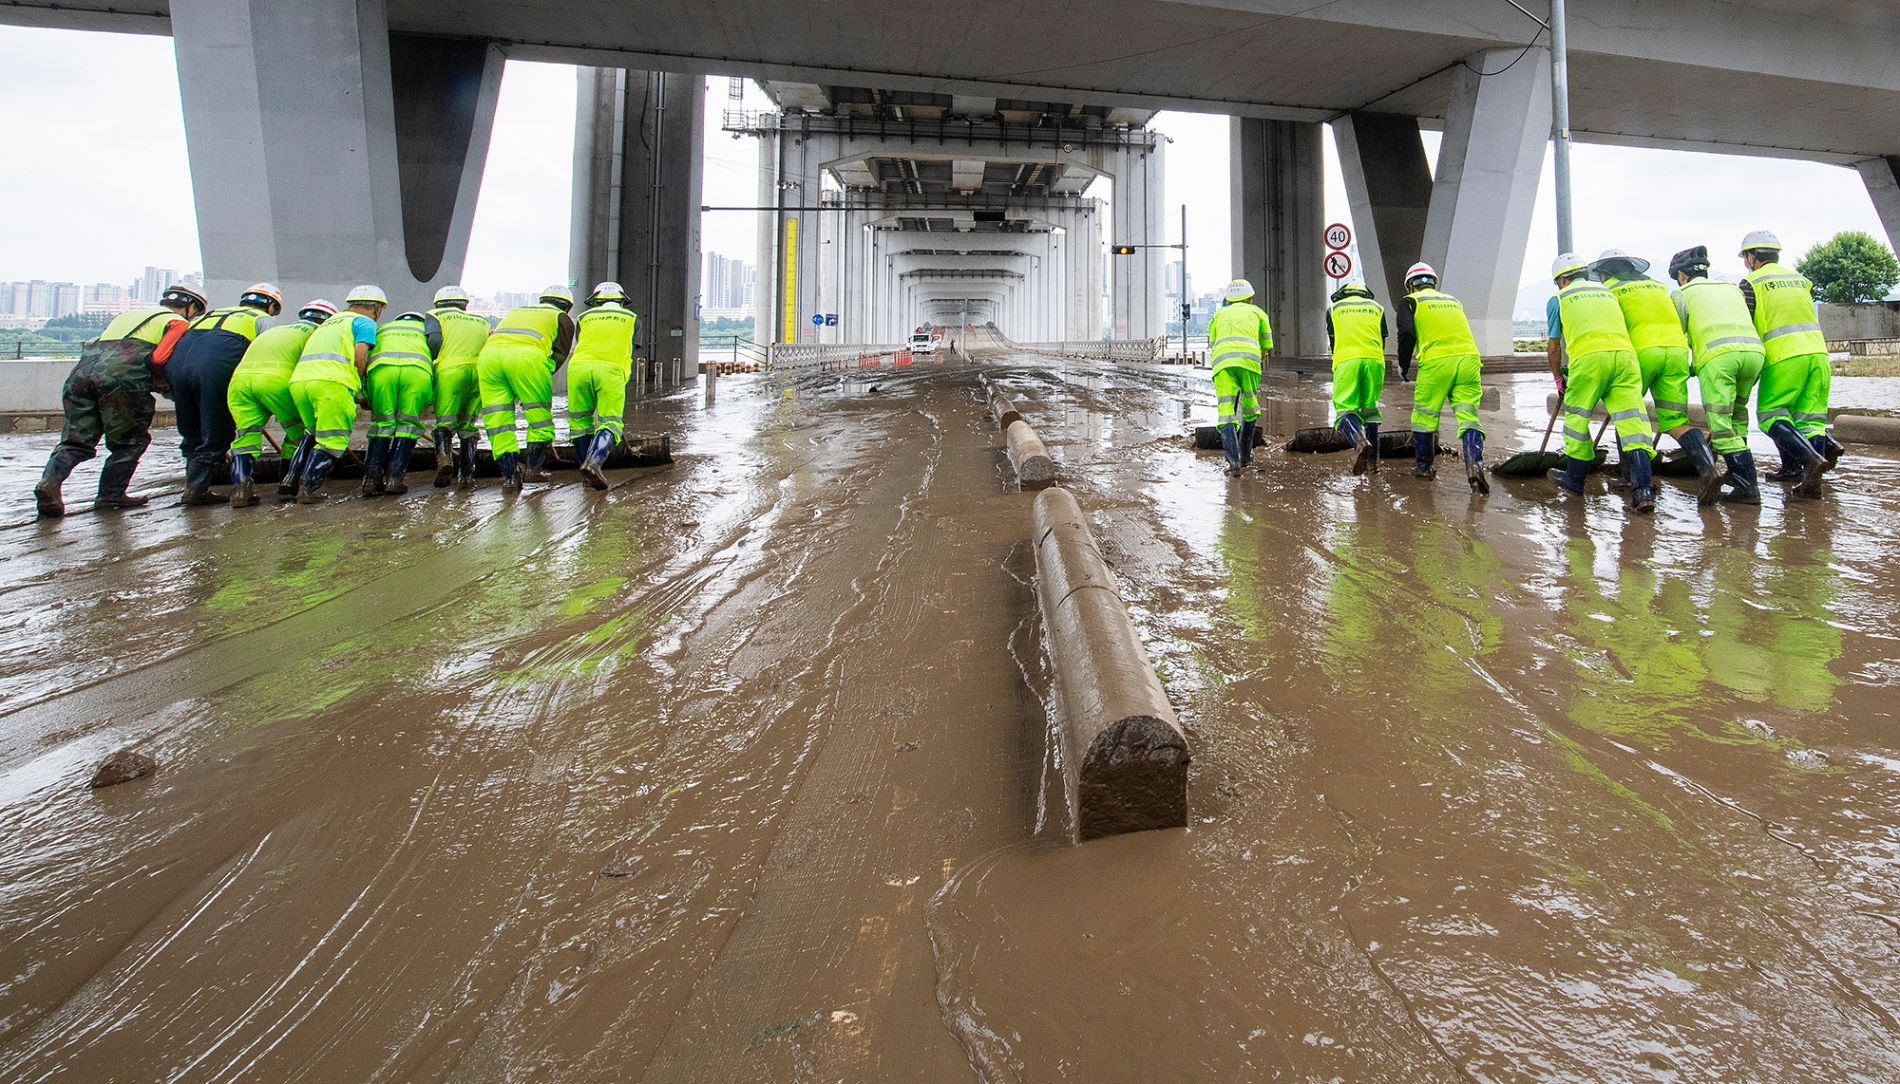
[{"x": 738, "y": 771}]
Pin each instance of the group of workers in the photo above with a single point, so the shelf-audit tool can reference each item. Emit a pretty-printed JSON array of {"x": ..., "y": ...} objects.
[
  {"x": 1615, "y": 336},
  {"x": 230, "y": 371}
]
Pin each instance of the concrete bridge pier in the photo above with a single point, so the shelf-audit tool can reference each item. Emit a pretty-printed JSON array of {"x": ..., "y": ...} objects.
[
  {"x": 1278, "y": 225},
  {"x": 638, "y": 139},
  {"x": 1389, "y": 185},
  {"x": 327, "y": 151},
  {"x": 1882, "y": 177}
]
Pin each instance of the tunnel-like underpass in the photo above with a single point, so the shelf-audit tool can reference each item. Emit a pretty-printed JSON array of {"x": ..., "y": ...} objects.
[{"x": 739, "y": 771}]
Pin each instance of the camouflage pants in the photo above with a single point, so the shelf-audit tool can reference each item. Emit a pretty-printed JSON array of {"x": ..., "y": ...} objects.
[{"x": 109, "y": 402}]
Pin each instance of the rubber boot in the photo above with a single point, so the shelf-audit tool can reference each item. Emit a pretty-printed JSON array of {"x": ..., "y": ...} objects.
[
  {"x": 46, "y": 495},
  {"x": 1642, "y": 485},
  {"x": 582, "y": 445},
  {"x": 1794, "y": 460},
  {"x": 1425, "y": 446},
  {"x": 113, "y": 481},
  {"x": 375, "y": 464},
  {"x": 1796, "y": 450},
  {"x": 1355, "y": 434},
  {"x": 533, "y": 470},
  {"x": 1473, "y": 441},
  {"x": 1230, "y": 444},
  {"x": 1372, "y": 441},
  {"x": 293, "y": 469},
  {"x": 1743, "y": 487},
  {"x": 399, "y": 450},
  {"x": 510, "y": 476},
  {"x": 1698, "y": 447},
  {"x": 198, "y": 486},
  {"x": 1247, "y": 431},
  {"x": 465, "y": 462},
  {"x": 598, "y": 448},
  {"x": 1830, "y": 449},
  {"x": 1570, "y": 476},
  {"x": 243, "y": 487},
  {"x": 318, "y": 469},
  {"x": 444, "y": 457}
]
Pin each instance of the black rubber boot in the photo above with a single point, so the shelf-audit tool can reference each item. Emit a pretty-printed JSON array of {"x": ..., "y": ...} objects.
[
  {"x": 1830, "y": 449},
  {"x": 1697, "y": 444},
  {"x": 47, "y": 501},
  {"x": 1372, "y": 440},
  {"x": 1642, "y": 485},
  {"x": 465, "y": 462},
  {"x": 510, "y": 475},
  {"x": 243, "y": 487},
  {"x": 534, "y": 469},
  {"x": 444, "y": 457},
  {"x": 1570, "y": 477},
  {"x": 314, "y": 474},
  {"x": 293, "y": 469},
  {"x": 1230, "y": 444},
  {"x": 1355, "y": 434},
  {"x": 1425, "y": 447},
  {"x": 1797, "y": 451},
  {"x": 1743, "y": 488},
  {"x": 113, "y": 481},
  {"x": 198, "y": 485},
  {"x": 582, "y": 445},
  {"x": 1473, "y": 441},
  {"x": 375, "y": 464},
  {"x": 399, "y": 450},
  {"x": 598, "y": 448},
  {"x": 1247, "y": 436}
]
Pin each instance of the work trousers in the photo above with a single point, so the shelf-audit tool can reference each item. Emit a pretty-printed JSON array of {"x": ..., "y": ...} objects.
[
  {"x": 1357, "y": 385},
  {"x": 596, "y": 399},
  {"x": 458, "y": 399},
  {"x": 398, "y": 394},
  {"x": 1236, "y": 391},
  {"x": 1795, "y": 390},
  {"x": 508, "y": 377},
  {"x": 1665, "y": 371},
  {"x": 1612, "y": 378},
  {"x": 1455, "y": 378},
  {"x": 104, "y": 400},
  {"x": 328, "y": 412},
  {"x": 256, "y": 398},
  {"x": 201, "y": 388},
  {"x": 1727, "y": 380}
]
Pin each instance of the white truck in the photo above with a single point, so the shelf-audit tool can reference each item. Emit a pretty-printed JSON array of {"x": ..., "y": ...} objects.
[{"x": 922, "y": 343}]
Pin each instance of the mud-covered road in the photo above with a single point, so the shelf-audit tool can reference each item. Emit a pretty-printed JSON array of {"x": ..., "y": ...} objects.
[{"x": 738, "y": 772}]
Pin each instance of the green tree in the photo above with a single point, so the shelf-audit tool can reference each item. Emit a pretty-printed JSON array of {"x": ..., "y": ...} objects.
[{"x": 1850, "y": 267}]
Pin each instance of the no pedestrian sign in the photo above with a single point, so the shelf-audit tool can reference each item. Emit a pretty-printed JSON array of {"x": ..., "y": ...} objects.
[
  {"x": 1338, "y": 236},
  {"x": 1338, "y": 265}
]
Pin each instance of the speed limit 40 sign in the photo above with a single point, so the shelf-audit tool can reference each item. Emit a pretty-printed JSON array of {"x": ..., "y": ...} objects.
[{"x": 1338, "y": 235}]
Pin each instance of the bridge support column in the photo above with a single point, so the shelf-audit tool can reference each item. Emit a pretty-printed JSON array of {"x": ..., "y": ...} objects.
[
  {"x": 1496, "y": 133},
  {"x": 1389, "y": 184},
  {"x": 357, "y": 159},
  {"x": 1882, "y": 177},
  {"x": 637, "y": 148},
  {"x": 1137, "y": 287},
  {"x": 1278, "y": 225}
]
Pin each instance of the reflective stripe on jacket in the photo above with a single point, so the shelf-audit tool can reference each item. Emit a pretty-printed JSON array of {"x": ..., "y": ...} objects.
[
  {"x": 1239, "y": 336},
  {"x": 1592, "y": 320}
]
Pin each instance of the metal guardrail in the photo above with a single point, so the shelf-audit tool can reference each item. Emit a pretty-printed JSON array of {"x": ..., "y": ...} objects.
[
  {"x": 815, "y": 355},
  {"x": 1140, "y": 350}
]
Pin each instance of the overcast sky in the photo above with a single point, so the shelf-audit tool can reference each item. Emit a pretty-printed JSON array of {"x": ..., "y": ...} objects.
[{"x": 79, "y": 206}]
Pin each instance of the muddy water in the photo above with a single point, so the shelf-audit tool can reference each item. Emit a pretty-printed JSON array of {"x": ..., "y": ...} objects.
[{"x": 738, "y": 771}]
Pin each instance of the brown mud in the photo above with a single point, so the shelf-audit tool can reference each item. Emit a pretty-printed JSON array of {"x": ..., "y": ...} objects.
[{"x": 738, "y": 771}]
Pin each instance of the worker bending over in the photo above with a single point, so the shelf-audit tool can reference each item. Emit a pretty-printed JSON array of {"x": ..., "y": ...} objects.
[
  {"x": 260, "y": 391},
  {"x": 458, "y": 393},
  {"x": 1356, "y": 328},
  {"x": 597, "y": 379},
  {"x": 200, "y": 371},
  {"x": 1449, "y": 367},
  {"x": 109, "y": 394},
  {"x": 517, "y": 366},
  {"x": 1796, "y": 379},
  {"x": 1728, "y": 363},
  {"x": 1585, "y": 322},
  {"x": 1662, "y": 356},
  {"x": 401, "y": 386},
  {"x": 1240, "y": 338},
  {"x": 327, "y": 385}
]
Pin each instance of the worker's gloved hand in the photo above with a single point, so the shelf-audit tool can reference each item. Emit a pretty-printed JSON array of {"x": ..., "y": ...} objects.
[{"x": 1561, "y": 384}]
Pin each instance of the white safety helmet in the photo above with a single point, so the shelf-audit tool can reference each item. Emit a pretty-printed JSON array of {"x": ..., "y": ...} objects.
[
  {"x": 559, "y": 296},
  {"x": 1567, "y": 264},
  {"x": 1238, "y": 290},
  {"x": 1614, "y": 259},
  {"x": 317, "y": 311},
  {"x": 607, "y": 291},
  {"x": 1760, "y": 240},
  {"x": 367, "y": 295},
  {"x": 451, "y": 294},
  {"x": 1420, "y": 271}
]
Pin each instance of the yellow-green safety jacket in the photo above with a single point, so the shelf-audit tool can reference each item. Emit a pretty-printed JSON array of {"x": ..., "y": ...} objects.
[
  {"x": 1592, "y": 320},
  {"x": 1715, "y": 315},
  {"x": 402, "y": 342},
  {"x": 463, "y": 336},
  {"x": 606, "y": 338},
  {"x": 330, "y": 353},
  {"x": 1785, "y": 315},
  {"x": 1648, "y": 313},
  {"x": 1440, "y": 325},
  {"x": 1239, "y": 336},
  {"x": 275, "y": 352},
  {"x": 1358, "y": 328}
]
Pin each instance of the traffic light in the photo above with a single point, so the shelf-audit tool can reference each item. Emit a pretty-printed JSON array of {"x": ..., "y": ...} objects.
[{"x": 1123, "y": 250}]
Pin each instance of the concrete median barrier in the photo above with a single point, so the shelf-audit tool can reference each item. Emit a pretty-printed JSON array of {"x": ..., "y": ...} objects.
[
  {"x": 1034, "y": 468},
  {"x": 1866, "y": 429},
  {"x": 1003, "y": 410},
  {"x": 1125, "y": 757}
]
